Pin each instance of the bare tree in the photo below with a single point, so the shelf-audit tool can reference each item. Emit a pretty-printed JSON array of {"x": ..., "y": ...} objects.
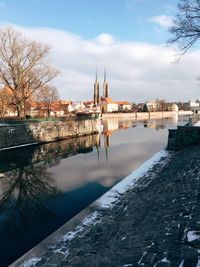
[
  {"x": 48, "y": 95},
  {"x": 186, "y": 29},
  {"x": 4, "y": 102},
  {"x": 24, "y": 67}
]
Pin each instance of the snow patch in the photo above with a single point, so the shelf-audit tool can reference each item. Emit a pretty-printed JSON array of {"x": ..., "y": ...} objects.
[
  {"x": 197, "y": 124},
  {"x": 198, "y": 263},
  {"x": 165, "y": 260},
  {"x": 192, "y": 235},
  {"x": 90, "y": 219},
  {"x": 109, "y": 198},
  {"x": 30, "y": 262}
]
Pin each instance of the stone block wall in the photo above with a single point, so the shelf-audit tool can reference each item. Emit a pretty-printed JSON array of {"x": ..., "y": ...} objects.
[
  {"x": 183, "y": 136},
  {"x": 21, "y": 134}
]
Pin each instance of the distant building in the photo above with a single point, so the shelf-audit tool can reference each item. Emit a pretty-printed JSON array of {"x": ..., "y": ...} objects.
[
  {"x": 150, "y": 106},
  {"x": 193, "y": 104},
  {"x": 105, "y": 102},
  {"x": 124, "y": 106},
  {"x": 96, "y": 91},
  {"x": 174, "y": 107},
  {"x": 105, "y": 86},
  {"x": 107, "y": 105}
]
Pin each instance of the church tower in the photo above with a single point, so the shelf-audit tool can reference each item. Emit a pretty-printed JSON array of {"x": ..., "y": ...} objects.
[
  {"x": 105, "y": 86},
  {"x": 96, "y": 91}
]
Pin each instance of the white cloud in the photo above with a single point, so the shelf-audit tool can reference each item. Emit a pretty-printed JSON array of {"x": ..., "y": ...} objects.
[
  {"x": 105, "y": 39},
  {"x": 135, "y": 71},
  {"x": 162, "y": 20}
]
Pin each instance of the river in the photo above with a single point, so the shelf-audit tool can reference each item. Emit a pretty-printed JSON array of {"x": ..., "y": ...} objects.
[{"x": 42, "y": 187}]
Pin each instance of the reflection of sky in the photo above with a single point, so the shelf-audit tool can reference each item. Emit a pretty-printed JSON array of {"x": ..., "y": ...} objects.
[
  {"x": 82, "y": 178},
  {"x": 128, "y": 150}
]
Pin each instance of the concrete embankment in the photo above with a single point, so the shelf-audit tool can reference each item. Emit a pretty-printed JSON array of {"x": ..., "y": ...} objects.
[
  {"x": 32, "y": 133},
  {"x": 145, "y": 115},
  {"x": 188, "y": 134},
  {"x": 153, "y": 223},
  {"x": 183, "y": 136}
]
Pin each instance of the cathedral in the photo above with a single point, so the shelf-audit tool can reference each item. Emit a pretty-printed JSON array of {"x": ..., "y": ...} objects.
[
  {"x": 97, "y": 99},
  {"x": 104, "y": 103}
]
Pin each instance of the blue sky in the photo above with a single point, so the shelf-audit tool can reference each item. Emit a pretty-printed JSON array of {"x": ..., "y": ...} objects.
[
  {"x": 128, "y": 37},
  {"x": 125, "y": 19}
]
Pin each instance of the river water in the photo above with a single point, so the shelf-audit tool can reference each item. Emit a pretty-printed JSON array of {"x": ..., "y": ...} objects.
[{"x": 42, "y": 187}]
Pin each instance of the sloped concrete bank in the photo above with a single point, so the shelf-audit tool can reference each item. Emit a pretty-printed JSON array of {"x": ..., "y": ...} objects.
[{"x": 12, "y": 136}]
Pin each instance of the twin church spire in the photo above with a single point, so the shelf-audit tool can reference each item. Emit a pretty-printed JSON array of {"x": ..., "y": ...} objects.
[{"x": 97, "y": 87}]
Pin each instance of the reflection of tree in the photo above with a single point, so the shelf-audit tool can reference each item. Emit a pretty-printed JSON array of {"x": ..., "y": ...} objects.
[{"x": 23, "y": 201}]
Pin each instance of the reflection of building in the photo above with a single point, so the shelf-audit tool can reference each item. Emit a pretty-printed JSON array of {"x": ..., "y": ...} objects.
[
  {"x": 109, "y": 126},
  {"x": 155, "y": 124}
]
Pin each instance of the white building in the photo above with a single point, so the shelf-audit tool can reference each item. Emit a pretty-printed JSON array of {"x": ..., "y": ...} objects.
[{"x": 193, "y": 104}]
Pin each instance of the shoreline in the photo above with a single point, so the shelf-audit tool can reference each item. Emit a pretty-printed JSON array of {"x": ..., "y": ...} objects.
[
  {"x": 154, "y": 223},
  {"x": 89, "y": 217},
  {"x": 138, "y": 116},
  {"x": 22, "y": 135}
]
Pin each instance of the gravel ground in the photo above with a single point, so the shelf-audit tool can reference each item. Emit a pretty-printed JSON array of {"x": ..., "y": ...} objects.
[{"x": 157, "y": 223}]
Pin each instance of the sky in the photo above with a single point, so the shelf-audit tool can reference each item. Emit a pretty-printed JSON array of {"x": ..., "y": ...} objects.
[{"x": 128, "y": 38}]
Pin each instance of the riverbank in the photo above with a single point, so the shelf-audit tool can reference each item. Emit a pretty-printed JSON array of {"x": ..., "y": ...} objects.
[
  {"x": 149, "y": 219},
  {"x": 18, "y": 135},
  {"x": 29, "y": 133},
  {"x": 146, "y": 115}
]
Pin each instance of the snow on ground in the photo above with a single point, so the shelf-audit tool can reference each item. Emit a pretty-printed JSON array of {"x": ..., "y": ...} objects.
[
  {"x": 109, "y": 198},
  {"x": 106, "y": 201},
  {"x": 193, "y": 235},
  {"x": 197, "y": 124},
  {"x": 30, "y": 262},
  {"x": 90, "y": 219}
]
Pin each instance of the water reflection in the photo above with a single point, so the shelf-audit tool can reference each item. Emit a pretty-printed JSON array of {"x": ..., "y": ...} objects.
[
  {"x": 42, "y": 187},
  {"x": 25, "y": 192},
  {"x": 27, "y": 184}
]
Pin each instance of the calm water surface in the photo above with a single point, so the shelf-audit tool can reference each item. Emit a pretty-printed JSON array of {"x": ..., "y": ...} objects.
[{"x": 42, "y": 187}]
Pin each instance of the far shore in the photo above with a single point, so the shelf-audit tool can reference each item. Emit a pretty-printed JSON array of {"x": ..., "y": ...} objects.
[{"x": 146, "y": 115}]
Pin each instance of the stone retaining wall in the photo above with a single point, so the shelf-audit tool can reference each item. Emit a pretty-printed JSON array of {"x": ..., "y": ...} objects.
[
  {"x": 21, "y": 134},
  {"x": 145, "y": 115},
  {"x": 183, "y": 136}
]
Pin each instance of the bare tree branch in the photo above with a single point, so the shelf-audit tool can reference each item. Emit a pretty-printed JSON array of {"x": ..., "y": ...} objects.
[
  {"x": 24, "y": 66},
  {"x": 186, "y": 29}
]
